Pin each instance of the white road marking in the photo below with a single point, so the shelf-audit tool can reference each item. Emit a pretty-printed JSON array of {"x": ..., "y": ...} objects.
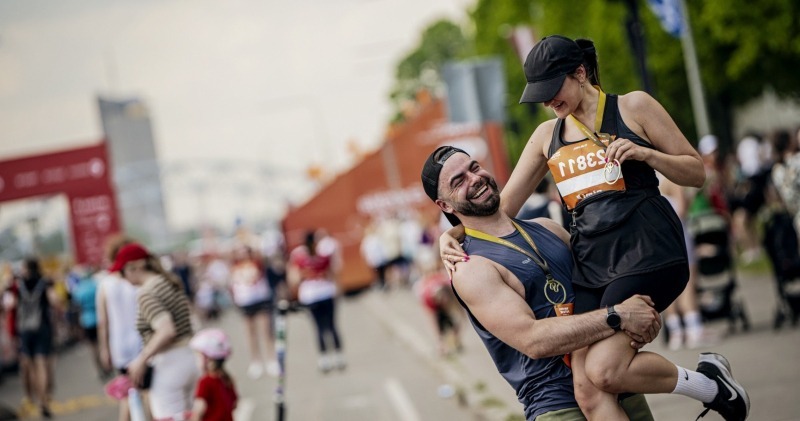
[{"x": 400, "y": 400}]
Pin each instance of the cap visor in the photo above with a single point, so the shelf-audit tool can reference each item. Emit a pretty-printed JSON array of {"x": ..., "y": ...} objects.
[{"x": 543, "y": 90}]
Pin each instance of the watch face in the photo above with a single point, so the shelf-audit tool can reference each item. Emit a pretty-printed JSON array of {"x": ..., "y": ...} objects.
[{"x": 613, "y": 320}]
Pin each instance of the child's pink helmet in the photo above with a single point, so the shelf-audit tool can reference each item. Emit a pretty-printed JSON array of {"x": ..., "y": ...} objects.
[{"x": 213, "y": 343}]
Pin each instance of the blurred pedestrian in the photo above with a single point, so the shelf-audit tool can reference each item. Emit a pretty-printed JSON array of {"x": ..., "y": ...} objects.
[
  {"x": 786, "y": 171},
  {"x": 748, "y": 195},
  {"x": 434, "y": 291},
  {"x": 682, "y": 318},
  {"x": 163, "y": 321},
  {"x": 215, "y": 397},
  {"x": 372, "y": 251},
  {"x": 542, "y": 204},
  {"x": 118, "y": 339},
  {"x": 84, "y": 295},
  {"x": 311, "y": 272},
  {"x": 183, "y": 270},
  {"x": 251, "y": 293},
  {"x": 35, "y": 302}
]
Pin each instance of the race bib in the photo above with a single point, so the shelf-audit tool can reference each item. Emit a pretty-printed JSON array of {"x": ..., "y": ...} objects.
[{"x": 579, "y": 171}]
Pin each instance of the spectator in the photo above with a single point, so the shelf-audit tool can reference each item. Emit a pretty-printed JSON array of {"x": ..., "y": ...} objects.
[
  {"x": 312, "y": 273},
  {"x": 215, "y": 398},
  {"x": 84, "y": 295},
  {"x": 164, "y": 323},
  {"x": 437, "y": 297},
  {"x": 118, "y": 340},
  {"x": 35, "y": 301},
  {"x": 251, "y": 293}
]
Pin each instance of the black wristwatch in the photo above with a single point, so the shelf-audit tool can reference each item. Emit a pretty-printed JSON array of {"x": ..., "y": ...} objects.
[{"x": 613, "y": 319}]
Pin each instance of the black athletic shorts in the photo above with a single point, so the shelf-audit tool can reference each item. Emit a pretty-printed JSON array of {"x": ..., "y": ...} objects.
[
  {"x": 663, "y": 286},
  {"x": 90, "y": 334},
  {"x": 251, "y": 310}
]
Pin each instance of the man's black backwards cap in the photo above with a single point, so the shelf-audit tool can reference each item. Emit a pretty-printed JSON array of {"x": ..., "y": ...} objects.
[{"x": 430, "y": 175}]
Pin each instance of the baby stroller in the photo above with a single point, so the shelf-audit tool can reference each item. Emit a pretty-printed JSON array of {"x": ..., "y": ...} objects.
[
  {"x": 716, "y": 283},
  {"x": 781, "y": 244}
]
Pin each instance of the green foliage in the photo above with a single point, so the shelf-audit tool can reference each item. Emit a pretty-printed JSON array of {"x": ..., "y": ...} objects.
[{"x": 743, "y": 47}]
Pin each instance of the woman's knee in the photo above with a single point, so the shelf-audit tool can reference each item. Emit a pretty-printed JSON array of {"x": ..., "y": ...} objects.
[{"x": 605, "y": 374}]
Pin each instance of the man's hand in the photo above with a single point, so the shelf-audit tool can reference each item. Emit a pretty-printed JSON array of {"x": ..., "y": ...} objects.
[{"x": 639, "y": 319}]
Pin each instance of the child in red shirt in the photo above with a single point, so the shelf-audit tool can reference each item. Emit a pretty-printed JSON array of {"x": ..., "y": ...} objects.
[{"x": 215, "y": 398}]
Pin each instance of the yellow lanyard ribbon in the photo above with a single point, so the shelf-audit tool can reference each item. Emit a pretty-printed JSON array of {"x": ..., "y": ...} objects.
[
  {"x": 551, "y": 283},
  {"x": 598, "y": 120}
]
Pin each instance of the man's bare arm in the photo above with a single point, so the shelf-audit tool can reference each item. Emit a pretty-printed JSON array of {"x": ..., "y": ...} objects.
[{"x": 504, "y": 312}]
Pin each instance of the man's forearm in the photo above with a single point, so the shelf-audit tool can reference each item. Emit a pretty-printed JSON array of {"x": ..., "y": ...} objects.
[{"x": 562, "y": 335}]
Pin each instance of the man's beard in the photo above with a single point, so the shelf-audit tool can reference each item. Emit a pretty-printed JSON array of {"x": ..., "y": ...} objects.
[{"x": 485, "y": 208}]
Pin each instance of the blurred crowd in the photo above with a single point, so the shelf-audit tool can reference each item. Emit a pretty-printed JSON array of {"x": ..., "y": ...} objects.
[{"x": 746, "y": 213}]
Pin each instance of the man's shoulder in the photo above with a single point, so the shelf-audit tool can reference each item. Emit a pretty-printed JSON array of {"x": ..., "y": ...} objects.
[{"x": 479, "y": 268}]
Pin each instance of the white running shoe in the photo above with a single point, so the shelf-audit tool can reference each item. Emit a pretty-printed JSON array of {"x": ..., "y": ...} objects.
[
  {"x": 701, "y": 338},
  {"x": 273, "y": 368},
  {"x": 339, "y": 361},
  {"x": 324, "y": 364},
  {"x": 675, "y": 340},
  {"x": 255, "y": 370}
]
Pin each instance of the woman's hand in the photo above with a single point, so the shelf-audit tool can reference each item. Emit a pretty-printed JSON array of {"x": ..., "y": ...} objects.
[
  {"x": 450, "y": 249},
  {"x": 623, "y": 149},
  {"x": 136, "y": 370}
]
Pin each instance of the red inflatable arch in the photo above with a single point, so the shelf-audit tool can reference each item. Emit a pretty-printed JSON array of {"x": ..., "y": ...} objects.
[{"x": 84, "y": 176}]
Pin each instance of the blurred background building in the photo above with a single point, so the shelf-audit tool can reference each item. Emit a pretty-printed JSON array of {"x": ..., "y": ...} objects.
[{"x": 136, "y": 170}]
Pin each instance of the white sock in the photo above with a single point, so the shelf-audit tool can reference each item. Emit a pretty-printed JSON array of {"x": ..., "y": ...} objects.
[
  {"x": 693, "y": 321},
  {"x": 695, "y": 385},
  {"x": 673, "y": 323}
]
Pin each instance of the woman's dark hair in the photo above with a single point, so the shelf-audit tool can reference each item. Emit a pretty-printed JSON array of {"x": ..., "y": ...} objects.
[
  {"x": 216, "y": 366},
  {"x": 33, "y": 268},
  {"x": 310, "y": 242},
  {"x": 781, "y": 141},
  {"x": 589, "y": 60}
]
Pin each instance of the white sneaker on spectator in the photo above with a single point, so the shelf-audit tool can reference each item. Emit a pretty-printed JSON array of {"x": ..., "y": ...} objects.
[
  {"x": 339, "y": 361},
  {"x": 255, "y": 370},
  {"x": 701, "y": 338},
  {"x": 273, "y": 369},
  {"x": 324, "y": 363},
  {"x": 675, "y": 340}
]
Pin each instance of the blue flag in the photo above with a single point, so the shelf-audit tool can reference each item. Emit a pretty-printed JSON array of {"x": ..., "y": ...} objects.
[{"x": 669, "y": 14}]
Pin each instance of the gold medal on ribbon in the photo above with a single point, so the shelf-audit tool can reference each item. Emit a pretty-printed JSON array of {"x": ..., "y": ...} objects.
[{"x": 612, "y": 171}]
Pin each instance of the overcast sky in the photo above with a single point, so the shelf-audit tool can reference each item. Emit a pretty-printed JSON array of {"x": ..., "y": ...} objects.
[{"x": 287, "y": 82}]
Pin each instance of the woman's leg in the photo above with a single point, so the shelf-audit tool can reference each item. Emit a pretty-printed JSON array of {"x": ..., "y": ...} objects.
[
  {"x": 317, "y": 313},
  {"x": 263, "y": 320},
  {"x": 613, "y": 366},
  {"x": 330, "y": 310},
  {"x": 252, "y": 338},
  {"x": 595, "y": 404}
]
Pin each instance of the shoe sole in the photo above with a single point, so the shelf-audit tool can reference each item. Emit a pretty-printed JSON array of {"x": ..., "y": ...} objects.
[{"x": 725, "y": 366}]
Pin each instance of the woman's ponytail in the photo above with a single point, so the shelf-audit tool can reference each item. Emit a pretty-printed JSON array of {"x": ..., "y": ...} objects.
[{"x": 589, "y": 60}]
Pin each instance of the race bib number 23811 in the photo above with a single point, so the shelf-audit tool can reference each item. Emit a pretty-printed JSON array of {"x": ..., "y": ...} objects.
[{"x": 579, "y": 170}]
